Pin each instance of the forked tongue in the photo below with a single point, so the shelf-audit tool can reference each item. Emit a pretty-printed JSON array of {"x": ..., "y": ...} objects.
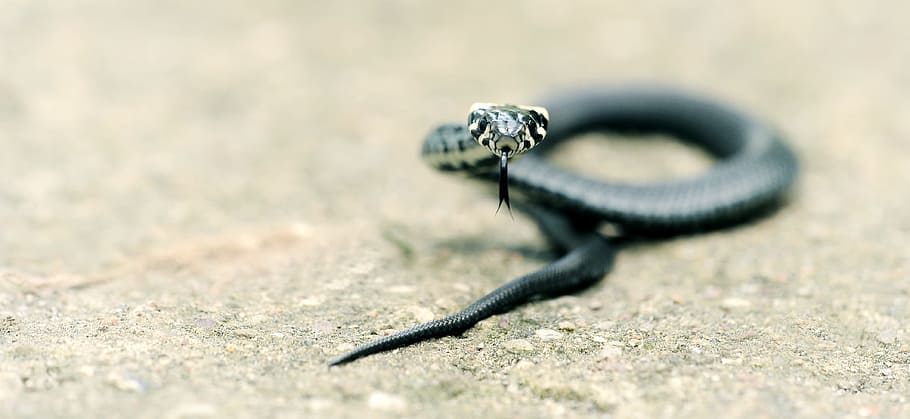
[{"x": 504, "y": 182}]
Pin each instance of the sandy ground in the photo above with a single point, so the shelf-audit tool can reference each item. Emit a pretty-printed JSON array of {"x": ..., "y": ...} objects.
[{"x": 201, "y": 203}]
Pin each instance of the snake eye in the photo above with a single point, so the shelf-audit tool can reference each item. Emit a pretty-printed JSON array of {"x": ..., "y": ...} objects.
[
  {"x": 538, "y": 118},
  {"x": 478, "y": 127}
]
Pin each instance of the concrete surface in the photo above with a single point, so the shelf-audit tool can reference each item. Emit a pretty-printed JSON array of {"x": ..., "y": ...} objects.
[{"x": 202, "y": 202}]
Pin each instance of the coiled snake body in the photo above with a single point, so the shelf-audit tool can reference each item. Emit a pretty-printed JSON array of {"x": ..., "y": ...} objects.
[{"x": 754, "y": 170}]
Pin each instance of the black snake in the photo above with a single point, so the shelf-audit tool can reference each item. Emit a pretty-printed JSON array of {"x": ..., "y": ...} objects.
[{"x": 754, "y": 170}]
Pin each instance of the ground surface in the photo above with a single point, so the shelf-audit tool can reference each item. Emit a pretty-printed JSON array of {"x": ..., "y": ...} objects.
[{"x": 202, "y": 203}]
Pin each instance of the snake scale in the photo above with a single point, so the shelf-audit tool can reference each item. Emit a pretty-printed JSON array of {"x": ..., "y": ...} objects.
[{"x": 754, "y": 170}]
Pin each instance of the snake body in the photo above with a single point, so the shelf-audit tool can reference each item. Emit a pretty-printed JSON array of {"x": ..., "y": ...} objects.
[{"x": 754, "y": 169}]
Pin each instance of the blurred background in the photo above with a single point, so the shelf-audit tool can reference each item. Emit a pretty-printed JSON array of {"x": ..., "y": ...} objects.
[
  {"x": 177, "y": 153},
  {"x": 128, "y": 123}
]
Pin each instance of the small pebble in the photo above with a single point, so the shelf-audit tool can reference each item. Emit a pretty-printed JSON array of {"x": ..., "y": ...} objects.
[
  {"x": 206, "y": 323},
  {"x": 610, "y": 353},
  {"x": 547, "y": 334},
  {"x": 422, "y": 314},
  {"x": 401, "y": 289},
  {"x": 887, "y": 336},
  {"x": 846, "y": 385},
  {"x": 362, "y": 267},
  {"x": 444, "y": 303},
  {"x": 87, "y": 370},
  {"x": 109, "y": 322},
  {"x": 387, "y": 402},
  {"x": 24, "y": 350},
  {"x": 518, "y": 346},
  {"x": 711, "y": 292},
  {"x": 311, "y": 301},
  {"x": 39, "y": 379},
  {"x": 460, "y": 287},
  {"x": 127, "y": 381},
  {"x": 245, "y": 333},
  {"x": 567, "y": 326},
  {"x": 523, "y": 364},
  {"x": 318, "y": 404}
]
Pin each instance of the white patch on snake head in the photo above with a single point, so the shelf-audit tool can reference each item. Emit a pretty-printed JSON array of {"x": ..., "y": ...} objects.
[{"x": 507, "y": 129}]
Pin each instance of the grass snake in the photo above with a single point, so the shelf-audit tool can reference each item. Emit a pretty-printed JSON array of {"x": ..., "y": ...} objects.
[{"x": 754, "y": 169}]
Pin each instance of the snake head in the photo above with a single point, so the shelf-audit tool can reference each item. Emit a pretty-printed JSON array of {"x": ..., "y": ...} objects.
[{"x": 507, "y": 129}]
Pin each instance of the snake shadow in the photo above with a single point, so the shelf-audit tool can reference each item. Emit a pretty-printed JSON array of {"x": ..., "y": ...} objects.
[
  {"x": 618, "y": 238},
  {"x": 473, "y": 245}
]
